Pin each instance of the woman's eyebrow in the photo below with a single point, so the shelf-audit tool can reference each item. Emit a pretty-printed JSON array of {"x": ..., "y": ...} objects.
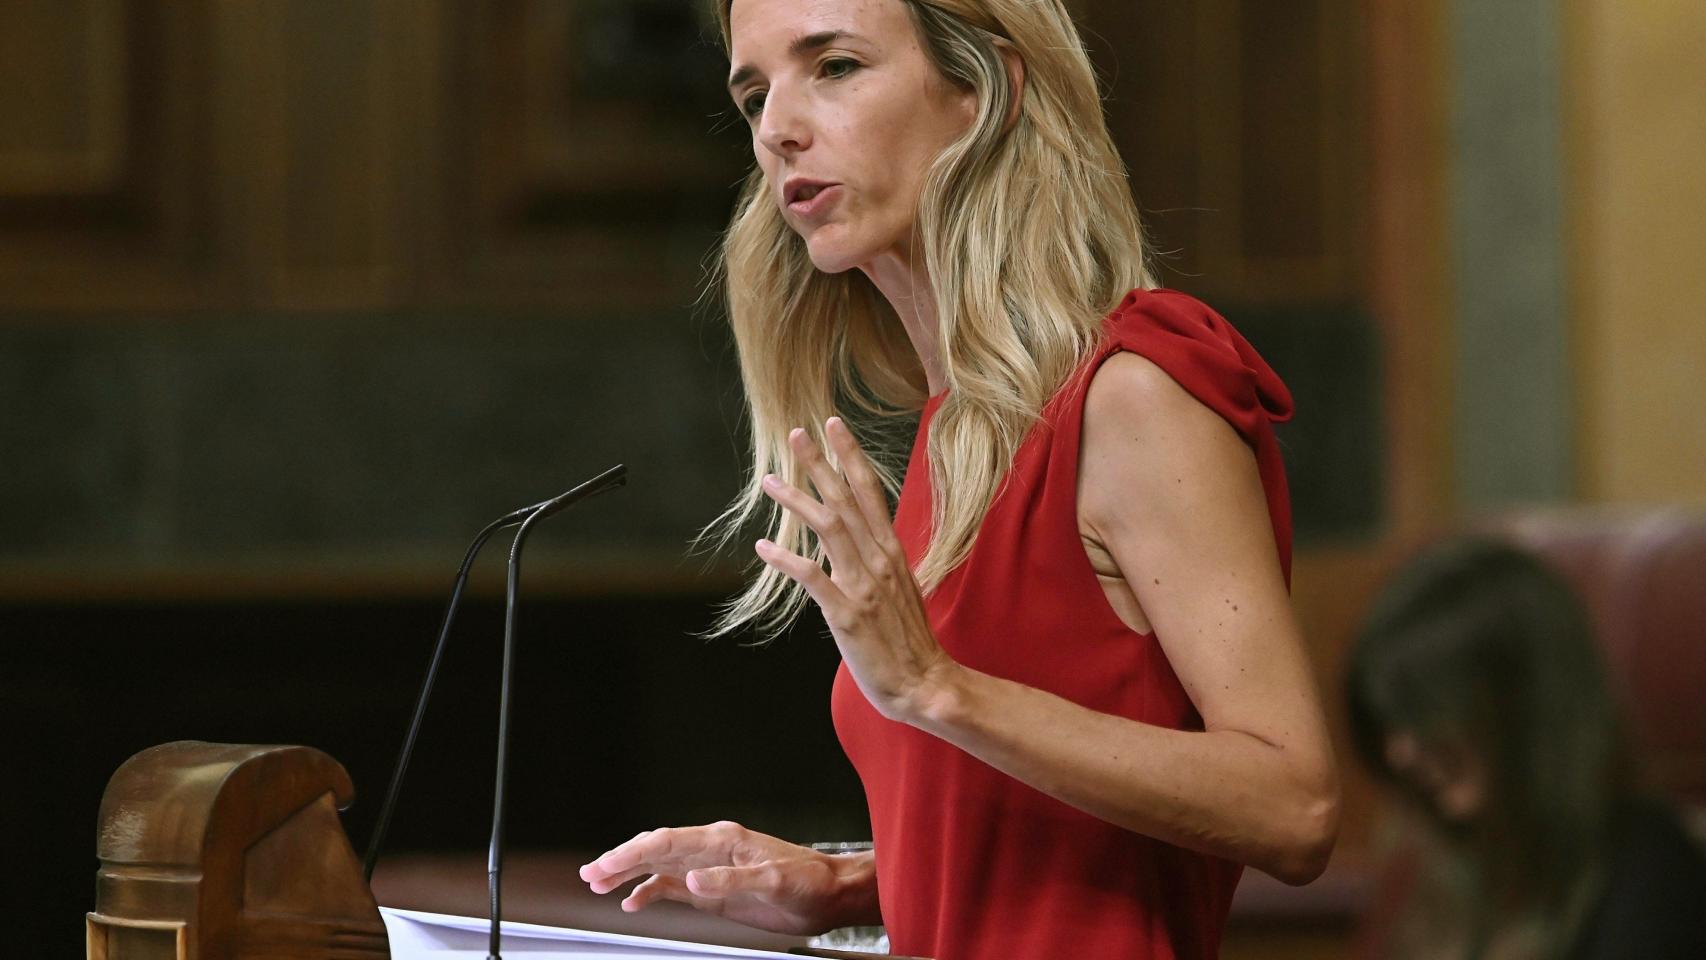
[{"x": 800, "y": 47}]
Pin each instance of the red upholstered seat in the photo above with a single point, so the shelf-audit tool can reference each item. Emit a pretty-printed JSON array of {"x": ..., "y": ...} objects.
[{"x": 1642, "y": 574}]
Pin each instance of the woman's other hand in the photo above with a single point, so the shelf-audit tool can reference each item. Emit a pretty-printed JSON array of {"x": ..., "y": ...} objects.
[
  {"x": 746, "y": 876},
  {"x": 868, "y": 596}
]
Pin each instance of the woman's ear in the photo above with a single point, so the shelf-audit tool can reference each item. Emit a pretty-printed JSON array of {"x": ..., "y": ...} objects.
[{"x": 1015, "y": 81}]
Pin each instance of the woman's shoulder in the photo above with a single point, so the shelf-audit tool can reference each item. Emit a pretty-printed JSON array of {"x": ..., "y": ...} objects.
[
  {"x": 1165, "y": 382},
  {"x": 1187, "y": 346},
  {"x": 1654, "y": 903},
  {"x": 1147, "y": 311}
]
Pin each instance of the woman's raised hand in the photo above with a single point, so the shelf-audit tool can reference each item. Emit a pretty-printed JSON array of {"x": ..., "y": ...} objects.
[
  {"x": 746, "y": 876},
  {"x": 868, "y": 597}
]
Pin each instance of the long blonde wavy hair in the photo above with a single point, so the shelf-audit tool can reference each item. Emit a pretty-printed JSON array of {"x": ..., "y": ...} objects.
[{"x": 1029, "y": 236}]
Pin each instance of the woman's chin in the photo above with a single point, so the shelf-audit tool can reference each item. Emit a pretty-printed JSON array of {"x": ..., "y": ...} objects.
[
  {"x": 830, "y": 256},
  {"x": 830, "y": 263}
]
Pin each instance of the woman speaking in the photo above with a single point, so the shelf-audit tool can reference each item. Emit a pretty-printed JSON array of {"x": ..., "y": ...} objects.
[{"x": 1071, "y": 682}]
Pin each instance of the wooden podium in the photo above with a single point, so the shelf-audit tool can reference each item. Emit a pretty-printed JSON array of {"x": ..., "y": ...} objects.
[{"x": 214, "y": 851}]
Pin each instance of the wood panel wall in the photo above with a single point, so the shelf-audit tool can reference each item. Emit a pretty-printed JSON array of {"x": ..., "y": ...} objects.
[
  {"x": 173, "y": 154},
  {"x": 169, "y": 155},
  {"x": 1240, "y": 123},
  {"x": 105, "y": 161}
]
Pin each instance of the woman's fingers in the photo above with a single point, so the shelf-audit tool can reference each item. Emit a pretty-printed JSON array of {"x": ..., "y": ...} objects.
[
  {"x": 806, "y": 573},
  {"x": 670, "y": 850},
  {"x": 767, "y": 881},
  {"x": 821, "y": 518},
  {"x": 711, "y": 889},
  {"x": 852, "y": 522},
  {"x": 835, "y": 522},
  {"x": 725, "y": 869},
  {"x": 838, "y": 517},
  {"x": 665, "y": 887},
  {"x": 832, "y": 487},
  {"x": 608, "y": 882},
  {"x": 623, "y": 859},
  {"x": 862, "y": 480}
]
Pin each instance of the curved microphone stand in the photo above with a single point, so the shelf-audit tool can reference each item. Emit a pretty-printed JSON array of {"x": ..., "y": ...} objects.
[{"x": 614, "y": 477}]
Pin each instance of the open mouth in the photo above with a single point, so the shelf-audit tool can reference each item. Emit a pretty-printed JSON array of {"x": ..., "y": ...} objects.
[{"x": 801, "y": 190}]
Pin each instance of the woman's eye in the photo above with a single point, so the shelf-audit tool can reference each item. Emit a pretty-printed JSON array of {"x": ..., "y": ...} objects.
[
  {"x": 752, "y": 105},
  {"x": 839, "y": 67}
]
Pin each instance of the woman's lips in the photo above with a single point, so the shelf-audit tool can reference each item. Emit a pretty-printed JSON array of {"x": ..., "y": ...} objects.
[{"x": 816, "y": 206}]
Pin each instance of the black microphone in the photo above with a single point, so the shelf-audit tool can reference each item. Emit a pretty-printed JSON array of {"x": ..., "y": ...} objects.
[{"x": 613, "y": 477}]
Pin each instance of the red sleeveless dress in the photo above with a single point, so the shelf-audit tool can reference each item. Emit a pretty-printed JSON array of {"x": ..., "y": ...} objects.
[{"x": 971, "y": 863}]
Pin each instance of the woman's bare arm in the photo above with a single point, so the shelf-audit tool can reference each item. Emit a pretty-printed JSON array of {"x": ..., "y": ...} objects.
[{"x": 1174, "y": 494}]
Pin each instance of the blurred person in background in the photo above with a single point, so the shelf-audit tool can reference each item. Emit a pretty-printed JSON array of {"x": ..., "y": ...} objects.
[
  {"x": 1071, "y": 682},
  {"x": 1476, "y": 691}
]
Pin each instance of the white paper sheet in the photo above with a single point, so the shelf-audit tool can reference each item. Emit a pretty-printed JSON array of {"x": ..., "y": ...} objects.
[{"x": 416, "y": 935}]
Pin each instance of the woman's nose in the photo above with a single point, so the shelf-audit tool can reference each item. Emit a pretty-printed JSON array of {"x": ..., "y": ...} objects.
[{"x": 782, "y": 126}]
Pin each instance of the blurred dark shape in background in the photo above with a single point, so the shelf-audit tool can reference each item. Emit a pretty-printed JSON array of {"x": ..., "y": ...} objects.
[{"x": 1479, "y": 692}]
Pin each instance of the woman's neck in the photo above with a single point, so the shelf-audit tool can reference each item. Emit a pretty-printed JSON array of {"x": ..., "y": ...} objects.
[{"x": 907, "y": 289}]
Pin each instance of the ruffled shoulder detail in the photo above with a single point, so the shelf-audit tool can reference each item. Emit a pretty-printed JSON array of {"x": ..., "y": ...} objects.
[{"x": 1202, "y": 352}]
